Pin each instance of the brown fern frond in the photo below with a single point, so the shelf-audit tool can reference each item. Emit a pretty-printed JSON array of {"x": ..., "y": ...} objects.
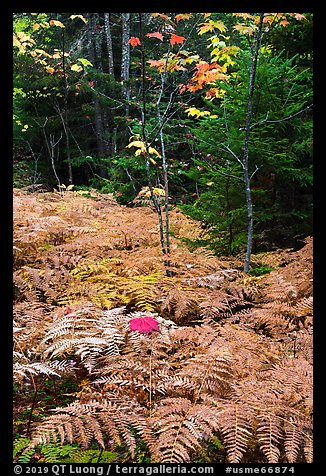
[
  {"x": 179, "y": 304},
  {"x": 30, "y": 321},
  {"x": 214, "y": 281},
  {"x": 219, "y": 305},
  {"x": 22, "y": 371},
  {"x": 82, "y": 429},
  {"x": 109, "y": 421},
  {"x": 210, "y": 372},
  {"x": 269, "y": 432},
  {"x": 235, "y": 422},
  {"x": 296, "y": 311},
  {"x": 308, "y": 446},
  {"x": 181, "y": 425},
  {"x": 264, "y": 320},
  {"x": 294, "y": 437},
  {"x": 280, "y": 289}
]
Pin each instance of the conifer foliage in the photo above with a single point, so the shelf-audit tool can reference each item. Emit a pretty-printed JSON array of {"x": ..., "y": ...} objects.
[{"x": 206, "y": 365}]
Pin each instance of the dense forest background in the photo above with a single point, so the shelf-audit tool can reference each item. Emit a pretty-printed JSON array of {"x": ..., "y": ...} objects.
[{"x": 86, "y": 86}]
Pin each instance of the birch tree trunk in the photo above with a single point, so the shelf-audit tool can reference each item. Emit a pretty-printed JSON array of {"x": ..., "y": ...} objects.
[
  {"x": 95, "y": 55},
  {"x": 125, "y": 59},
  {"x": 109, "y": 42},
  {"x": 97, "y": 41}
]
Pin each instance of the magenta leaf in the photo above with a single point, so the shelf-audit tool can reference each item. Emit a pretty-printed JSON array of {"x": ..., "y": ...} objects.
[{"x": 144, "y": 325}]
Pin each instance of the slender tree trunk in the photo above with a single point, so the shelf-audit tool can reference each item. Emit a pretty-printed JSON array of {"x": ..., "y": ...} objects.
[
  {"x": 99, "y": 128},
  {"x": 228, "y": 208},
  {"x": 144, "y": 137},
  {"x": 109, "y": 122},
  {"x": 165, "y": 171},
  {"x": 125, "y": 58},
  {"x": 97, "y": 40},
  {"x": 109, "y": 42},
  {"x": 246, "y": 175},
  {"x": 53, "y": 145},
  {"x": 64, "y": 117},
  {"x": 95, "y": 55},
  {"x": 166, "y": 197}
]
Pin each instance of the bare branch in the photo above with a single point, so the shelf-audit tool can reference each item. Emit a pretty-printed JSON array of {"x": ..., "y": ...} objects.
[
  {"x": 257, "y": 167},
  {"x": 225, "y": 148},
  {"x": 256, "y": 123},
  {"x": 218, "y": 170},
  {"x": 230, "y": 151},
  {"x": 287, "y": 118}
]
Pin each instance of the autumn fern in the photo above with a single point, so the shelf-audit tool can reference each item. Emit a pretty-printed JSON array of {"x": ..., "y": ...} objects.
[
  {"x": 111, "y": 421},
  {"x": 181, "y": 426}
]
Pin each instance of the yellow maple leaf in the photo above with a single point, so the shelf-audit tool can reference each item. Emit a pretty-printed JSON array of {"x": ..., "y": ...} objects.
[
  {"x": 57, "y": 23},
  {"x": 137, "y": 143},
  {"x": 72, "y": 17},
  {"x": 193, "y": 111},
  {"x": 151, "y": 150},
  {"x": 76, "y": 67},
  {"x": 142, "y": 148}
]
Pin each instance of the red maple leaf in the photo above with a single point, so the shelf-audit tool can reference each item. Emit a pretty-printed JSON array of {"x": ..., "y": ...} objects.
[
  {"x": 134, "y": 41},
  {"x": 144, "y": 325},
  {"x": 176, "y": 39},
  {"x": 156, "y": 34}
]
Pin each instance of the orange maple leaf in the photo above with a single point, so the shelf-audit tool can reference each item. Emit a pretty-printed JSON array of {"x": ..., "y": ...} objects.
[
  {"x": 299, "y": 16},
  {"x": 212, "y": 93},
  {"x": 183, "y": 16},
  {"x": 159, "y": 64},
  {"x": 156, "y": 34},
  {"x": 162, "y": 15},
  {"x": 175, "y": 39},
  {"x": 134, "y": 41}
]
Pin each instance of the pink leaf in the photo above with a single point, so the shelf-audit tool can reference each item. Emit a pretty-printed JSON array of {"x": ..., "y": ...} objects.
[{"x": 144, "y": 325}]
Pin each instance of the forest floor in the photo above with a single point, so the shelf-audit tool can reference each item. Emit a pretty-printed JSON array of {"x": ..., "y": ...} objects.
[
  {"x": 54, "y": 231},
  {"x": 73, "y": 251}
]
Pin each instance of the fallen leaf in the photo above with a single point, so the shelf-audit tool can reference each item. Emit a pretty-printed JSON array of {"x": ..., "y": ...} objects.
[{"x": 144, "y": 325}]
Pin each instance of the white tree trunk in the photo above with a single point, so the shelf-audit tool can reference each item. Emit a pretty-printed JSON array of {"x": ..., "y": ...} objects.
[
  {"x": 125, "y": 58},
  {"x": 109, "y": 42}
]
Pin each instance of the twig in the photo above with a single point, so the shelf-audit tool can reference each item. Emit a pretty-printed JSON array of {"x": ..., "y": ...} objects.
[
  {"x": 274, "y": 121},
  {"x": 255, "y": 171}
]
